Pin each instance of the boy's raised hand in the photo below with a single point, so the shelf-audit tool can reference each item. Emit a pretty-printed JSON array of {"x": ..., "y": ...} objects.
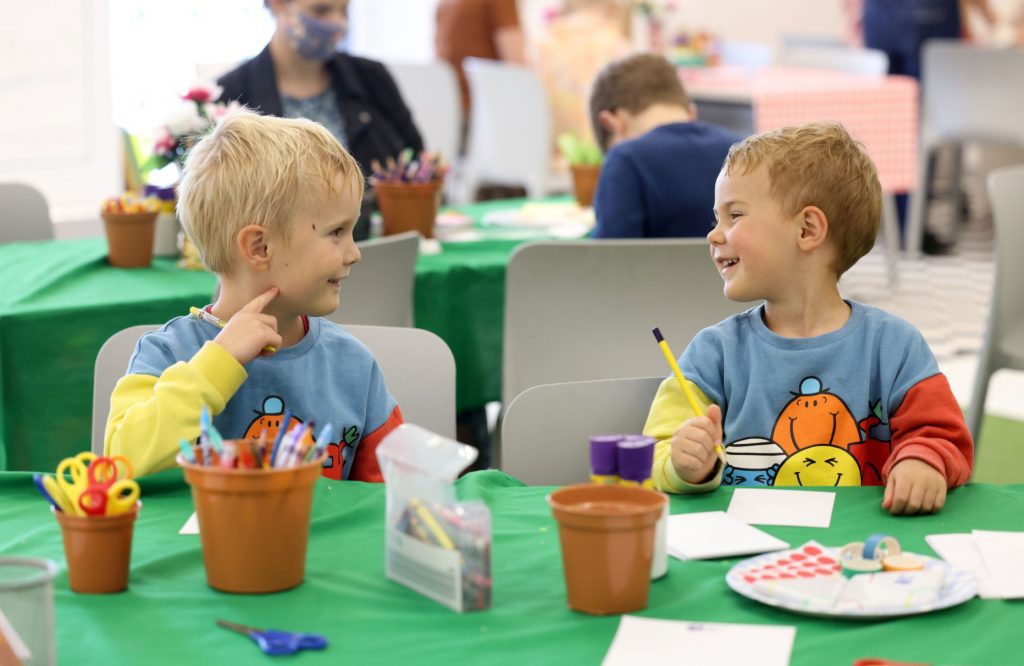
[
  {"x": 914, "y": 486},
  {"x": 249, "y": 331},
  {"x": 693, "y": 446}
]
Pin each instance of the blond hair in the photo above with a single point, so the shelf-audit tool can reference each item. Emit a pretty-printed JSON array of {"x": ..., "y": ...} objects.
[
  {"x": 254, "y": 169},
  {"x": 819, "y": 164}
]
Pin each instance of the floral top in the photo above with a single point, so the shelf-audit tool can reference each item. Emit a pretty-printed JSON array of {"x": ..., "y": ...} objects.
[{"x": 322, "y": 108}]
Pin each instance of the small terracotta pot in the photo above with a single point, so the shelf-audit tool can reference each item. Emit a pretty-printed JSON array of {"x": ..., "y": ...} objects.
[
  {"x": 253, "y": 524},
  {"x": 408, "y": 206},
  {"x": 98, "y": 550},
  {"x": 607, "y": 537},
  {"x": 130, "y": 238},
  {"x": 584, "y": 182}
]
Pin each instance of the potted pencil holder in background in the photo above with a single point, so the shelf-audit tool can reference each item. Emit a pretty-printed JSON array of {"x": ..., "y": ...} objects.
[
  {"x": 408, "y": 192},
  {"x": 584, "y": 159},
  {"x": 130, "y": 225}
]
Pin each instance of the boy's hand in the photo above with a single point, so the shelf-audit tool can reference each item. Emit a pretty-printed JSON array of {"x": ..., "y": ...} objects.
[
  {"x": 693, "y": 446},
  {"x": 249, "y": 331},
  {"x": 914, "y": 486}
]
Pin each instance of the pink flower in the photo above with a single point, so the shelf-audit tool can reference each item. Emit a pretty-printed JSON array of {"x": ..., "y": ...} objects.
[
  {"x": 164, "y": 142},
  {"x": 203, "y": 92}
]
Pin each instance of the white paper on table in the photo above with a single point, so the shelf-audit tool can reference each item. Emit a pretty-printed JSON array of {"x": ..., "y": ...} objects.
[
  {"x": 1003, "y": 552},
  {"x": 962, "y": 551},
  {"x": 191, "y": 525},
  {"x": 699, "y": 536},
  {"x": 652, "y": 642},
  {"x": 14, "y": 640},
  {"x": 799, "y": 508}
]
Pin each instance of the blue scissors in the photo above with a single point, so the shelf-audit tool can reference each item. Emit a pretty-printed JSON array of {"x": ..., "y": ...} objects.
[{"x": 272, "y": 641}]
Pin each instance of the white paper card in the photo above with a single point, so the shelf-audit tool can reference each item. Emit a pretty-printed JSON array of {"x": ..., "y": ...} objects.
[
  {"x": 191, "y": 525},
  {"x": 700, "y": 536},
  {"x": 961, "y": 551},
  {"x": 799, "y": 508},
  {"x": 651, "y": 642},
  {"x": 1003, "y": 552}
]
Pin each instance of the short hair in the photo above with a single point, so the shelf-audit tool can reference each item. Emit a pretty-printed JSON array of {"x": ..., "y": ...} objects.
[
  {"x": 634, "y": 83},
  {"x": 819, "y": 164},
  {"x": 254, "y": 169}
]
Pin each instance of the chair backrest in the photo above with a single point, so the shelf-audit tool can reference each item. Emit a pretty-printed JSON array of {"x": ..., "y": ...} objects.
[
  {"x": 510, "y": 126},
  {"x": 418, "y": 367},
  {"x": 431, "y": 91},
  {"x": 24, "y": 214},
  {"x": 379, "y": 289},
  {"x": 871, "y": 62},
  {"x": 966, "y": 94},
  {"x": 1006, "y": 188},
  {"x": 584, "y": 310},
  {"x": 545, "y": 431}
]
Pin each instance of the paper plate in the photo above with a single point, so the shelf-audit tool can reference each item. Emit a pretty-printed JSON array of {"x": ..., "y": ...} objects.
[
  {"x": 541, "y": 215},
  {"x": 823, "y": 593}
]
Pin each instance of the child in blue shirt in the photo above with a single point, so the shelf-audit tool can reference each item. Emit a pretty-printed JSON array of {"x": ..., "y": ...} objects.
[
  {"x": 660, "y": 165},
  {"x": 807, "y": 389}
]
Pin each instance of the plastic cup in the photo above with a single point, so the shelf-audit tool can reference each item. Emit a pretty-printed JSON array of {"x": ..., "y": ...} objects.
[
  {"x": 26, "y": 601},
  {"x": 98, "y": 550},
  {"x": 253, "y": 524},
  {"x": 607, "y": 537},
  {"x": 408, "y": 206},
  {"x": 130, "y": 238}
]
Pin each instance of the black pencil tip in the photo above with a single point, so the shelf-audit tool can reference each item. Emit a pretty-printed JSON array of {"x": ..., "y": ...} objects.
[{"x": 657, "y": 334}]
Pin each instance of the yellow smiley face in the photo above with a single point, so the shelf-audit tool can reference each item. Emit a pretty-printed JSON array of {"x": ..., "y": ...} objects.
[{"x": 821, "y": 465}]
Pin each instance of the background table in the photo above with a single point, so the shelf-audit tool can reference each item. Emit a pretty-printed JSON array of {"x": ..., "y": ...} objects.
[
  {"x": 167, "y": 615},
  {"x": 880, "y": 111},
  {"x": 60, "y": 301}
]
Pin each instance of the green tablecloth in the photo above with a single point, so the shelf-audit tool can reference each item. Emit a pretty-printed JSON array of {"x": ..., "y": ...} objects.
[
  {"x": 59, "y": 301},
  {"x": 167, "y": 615}
]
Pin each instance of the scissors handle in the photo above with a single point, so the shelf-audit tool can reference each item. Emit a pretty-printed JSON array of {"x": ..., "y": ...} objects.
[
  {"x": 286, "y": 642},
  {"x": 115, "y": 500}
]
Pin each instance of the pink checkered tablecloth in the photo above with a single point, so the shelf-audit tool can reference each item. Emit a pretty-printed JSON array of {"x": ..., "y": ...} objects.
[{"x": 881, "y": 112}]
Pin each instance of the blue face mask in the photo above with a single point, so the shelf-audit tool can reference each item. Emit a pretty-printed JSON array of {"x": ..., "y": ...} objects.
[{"x": 314, "y": 39}]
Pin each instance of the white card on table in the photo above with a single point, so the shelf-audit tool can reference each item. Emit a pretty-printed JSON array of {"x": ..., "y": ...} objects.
[
  {"x": 961, "y": 551},
  {"x": 1003, "y": 553},
  {"x": 652, "y": 642},
  {"x": 711, "y": 534},
  {"x": 769, "y": 506},
  {"x": 191, "y": 525}
]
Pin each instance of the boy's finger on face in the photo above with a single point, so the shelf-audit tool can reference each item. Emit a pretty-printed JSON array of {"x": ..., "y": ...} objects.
[{"x": 257, "y": 304}]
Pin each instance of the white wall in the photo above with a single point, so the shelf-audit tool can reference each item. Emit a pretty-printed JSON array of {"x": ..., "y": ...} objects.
[
  {"x": 56, "y": 129},
  {"x": 392, "y": 30}
]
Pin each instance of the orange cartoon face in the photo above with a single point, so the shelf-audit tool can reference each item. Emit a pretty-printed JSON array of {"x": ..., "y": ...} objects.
[
  {"x": 269, "y": 419},
  {"x": 814, "y": 417}
]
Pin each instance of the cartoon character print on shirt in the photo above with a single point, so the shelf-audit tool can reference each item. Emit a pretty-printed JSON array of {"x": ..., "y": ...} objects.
[
  {"x": 872, "y": 453},
  {"x": 815, "y": 417},
  {"x": 753, "y": 461},
  {"x": 820, "y": 465},
  {"x": 270, "y": 418}
]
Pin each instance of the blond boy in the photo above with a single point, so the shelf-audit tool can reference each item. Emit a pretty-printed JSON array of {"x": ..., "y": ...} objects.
[
  {"x": 807, "y": 389},
  {"x": 270, "y": 203}
]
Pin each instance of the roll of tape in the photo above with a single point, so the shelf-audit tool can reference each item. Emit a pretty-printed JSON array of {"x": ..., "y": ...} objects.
[
  {"x": 853, "y": 566},
  {"x": 902, "y": 562},
  {"x": 878, "y": 546}
]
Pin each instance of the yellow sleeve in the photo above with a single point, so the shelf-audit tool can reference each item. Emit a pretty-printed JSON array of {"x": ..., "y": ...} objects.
[
  {"x": 149, "y": 415},
  {"x": 668, "y": 411}
]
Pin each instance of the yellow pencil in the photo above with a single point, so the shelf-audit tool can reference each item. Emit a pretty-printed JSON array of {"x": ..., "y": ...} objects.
[
  {"x": 694, "y": 403},
  {"x": 210, "y": 318}
]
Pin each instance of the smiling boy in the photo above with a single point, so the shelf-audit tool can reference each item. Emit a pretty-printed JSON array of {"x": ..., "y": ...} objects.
[
  {"x": 829, "y": 391},
  {"x": 270, "y": 203}
]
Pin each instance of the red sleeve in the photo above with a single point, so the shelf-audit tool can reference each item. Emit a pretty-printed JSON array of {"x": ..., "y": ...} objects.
[
  {"x": 929, "y": 426},
  {"x": 365, "y": 467}
]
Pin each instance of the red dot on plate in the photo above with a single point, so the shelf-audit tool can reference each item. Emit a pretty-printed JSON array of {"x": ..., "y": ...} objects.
[
  {"x": 826, "y": 560},
  {"x": 782, "y": 562},
  {"x": 812, "y": 550},
  {"x": 766, "y": 577},
  {"x": 810, "y": 563},
  {"x": 750, "y": 579},
  {"x": 824, "y": 572},
  {"x": 805, "y": 574},
  {"x": 798, "y": 557},
  {"x": 786, "y": 575}
]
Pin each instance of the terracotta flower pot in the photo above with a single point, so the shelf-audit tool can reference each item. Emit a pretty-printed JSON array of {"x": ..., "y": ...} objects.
[
  {"x": 408, "y": 206},
  {"x": 98, "y": 550},
  {"x": 130, "y": 238},
  {"x": 607, "y": 537},
  {"x": 253, "y": 524},
  {"x": 584, "y": 182}
]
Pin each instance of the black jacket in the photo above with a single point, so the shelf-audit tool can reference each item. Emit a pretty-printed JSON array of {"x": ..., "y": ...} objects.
[{"x": 377, "y": 123}]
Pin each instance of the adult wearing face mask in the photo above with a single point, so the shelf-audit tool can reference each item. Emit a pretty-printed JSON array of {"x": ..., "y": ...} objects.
[{"x": 301, "y": 74}]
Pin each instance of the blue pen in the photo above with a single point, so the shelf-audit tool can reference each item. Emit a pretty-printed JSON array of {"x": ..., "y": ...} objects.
[
  {"x": 288, "y": 446},
  {"x": 38, "y": 480},
  {"x": 285, "y": 420},
  {"x": 323, "y": 440},
  {"x": 206, "y": 428}
]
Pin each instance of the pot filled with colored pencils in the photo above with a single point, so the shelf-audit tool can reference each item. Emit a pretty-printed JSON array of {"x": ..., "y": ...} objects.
[{"x": 408, "y": 191}]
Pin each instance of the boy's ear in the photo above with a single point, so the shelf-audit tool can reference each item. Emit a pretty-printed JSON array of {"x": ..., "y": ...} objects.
[
  {"x": 813, "y": 228},
  {"x": 615, "y": 122},
  {"x": 252, "y": 245}
]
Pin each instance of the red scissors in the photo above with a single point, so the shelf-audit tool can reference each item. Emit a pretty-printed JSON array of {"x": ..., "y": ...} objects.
[{"x": 109, "y": 492}]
